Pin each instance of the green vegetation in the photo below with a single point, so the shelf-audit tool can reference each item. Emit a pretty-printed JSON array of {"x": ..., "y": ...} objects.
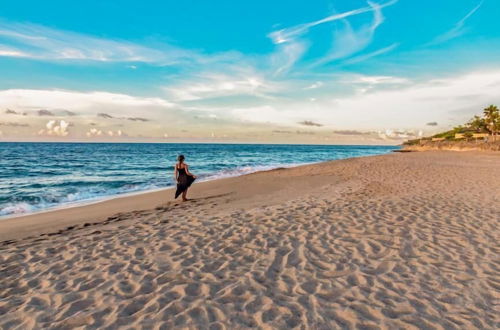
[
  {"x": 489, "y": 123},
  {"x": 492, "y": 119}
]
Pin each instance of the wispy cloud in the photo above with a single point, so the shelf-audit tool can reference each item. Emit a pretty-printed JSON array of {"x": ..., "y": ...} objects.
[
  {"x": 286, "y": 56},
  {"x": 40, "y": 42},
  {"x": 349, "y": 41},
  {"x": 403, "y": 107},
  {"x": 288, "y": 34},
  {"x": 108, "y": 116},
  {"x": 212, "y": 85},
  {"x": 63, "y": 99},
  {"x": 10, "y": 52},
  {"x": 379, "y": 80},
  {"x": 346, "y": 41},
  {"x": 378, "y": 52},
  {"x": 458, "y": 29},
  {"x": 315, "y": 85}
]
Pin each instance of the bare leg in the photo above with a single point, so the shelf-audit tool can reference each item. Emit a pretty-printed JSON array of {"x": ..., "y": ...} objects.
[{"x": 184, "y": 193}]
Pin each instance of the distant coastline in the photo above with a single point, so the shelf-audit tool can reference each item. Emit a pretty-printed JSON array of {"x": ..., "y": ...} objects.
[
  {"x": 426, "y": 145},
  {"x": 478, "y": 134}
]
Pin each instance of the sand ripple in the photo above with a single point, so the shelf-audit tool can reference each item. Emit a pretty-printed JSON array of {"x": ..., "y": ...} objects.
[{"x": 371, "y": 254}]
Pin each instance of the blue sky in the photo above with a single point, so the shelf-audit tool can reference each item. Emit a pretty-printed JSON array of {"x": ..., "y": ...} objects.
[{"x": 322, "y": 71}]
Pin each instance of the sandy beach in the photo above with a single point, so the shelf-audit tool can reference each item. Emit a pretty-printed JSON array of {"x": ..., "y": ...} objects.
[{"x": 400, "y": 241}]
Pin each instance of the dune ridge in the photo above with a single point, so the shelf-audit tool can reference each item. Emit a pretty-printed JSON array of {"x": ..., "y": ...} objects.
[{"x": 402, "y": 241}]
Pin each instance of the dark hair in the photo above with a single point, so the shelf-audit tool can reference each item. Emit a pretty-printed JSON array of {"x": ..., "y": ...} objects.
[{"x": 180, "y": 158}]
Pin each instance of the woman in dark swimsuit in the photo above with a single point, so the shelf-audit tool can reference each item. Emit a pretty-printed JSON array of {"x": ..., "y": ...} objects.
[{"x": 183, "y": 177}]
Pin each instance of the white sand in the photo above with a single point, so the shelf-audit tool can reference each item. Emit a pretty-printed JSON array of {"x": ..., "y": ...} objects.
[{"x": 403, "y": 241}]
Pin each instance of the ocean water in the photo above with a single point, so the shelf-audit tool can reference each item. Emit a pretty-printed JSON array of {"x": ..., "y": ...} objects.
[{"x": 39, "y": 176}]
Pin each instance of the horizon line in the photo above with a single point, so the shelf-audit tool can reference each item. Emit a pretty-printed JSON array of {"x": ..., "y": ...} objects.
[{"x": 222, "y": 143}]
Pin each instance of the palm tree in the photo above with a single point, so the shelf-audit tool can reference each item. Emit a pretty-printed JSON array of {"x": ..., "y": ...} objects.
[
  {"x": 477, "y": 124},
  {"x": 491, "y": 119}
]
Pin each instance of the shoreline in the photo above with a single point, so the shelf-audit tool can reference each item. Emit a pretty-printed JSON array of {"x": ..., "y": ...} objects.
[
  {"x": 85, "y": 202},
  {"x": 100, "y": 199},
  {"x": 49, "y": 220},
  {"x": 106, "y": 207}
]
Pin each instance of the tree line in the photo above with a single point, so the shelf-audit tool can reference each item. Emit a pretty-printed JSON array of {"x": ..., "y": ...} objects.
[{"x": 488, "y": 123}]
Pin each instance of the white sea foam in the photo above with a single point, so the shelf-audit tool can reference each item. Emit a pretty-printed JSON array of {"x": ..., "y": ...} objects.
[
  {"x": 18, "y": 208},
  {"x": 227, "y": 173}
]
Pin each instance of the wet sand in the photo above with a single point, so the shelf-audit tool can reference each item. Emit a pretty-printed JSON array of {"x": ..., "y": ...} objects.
[{"x": 400, "y": 241}]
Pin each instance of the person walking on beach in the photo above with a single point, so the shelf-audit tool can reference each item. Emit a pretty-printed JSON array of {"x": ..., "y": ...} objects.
[{"x": 183, "y": 178}]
